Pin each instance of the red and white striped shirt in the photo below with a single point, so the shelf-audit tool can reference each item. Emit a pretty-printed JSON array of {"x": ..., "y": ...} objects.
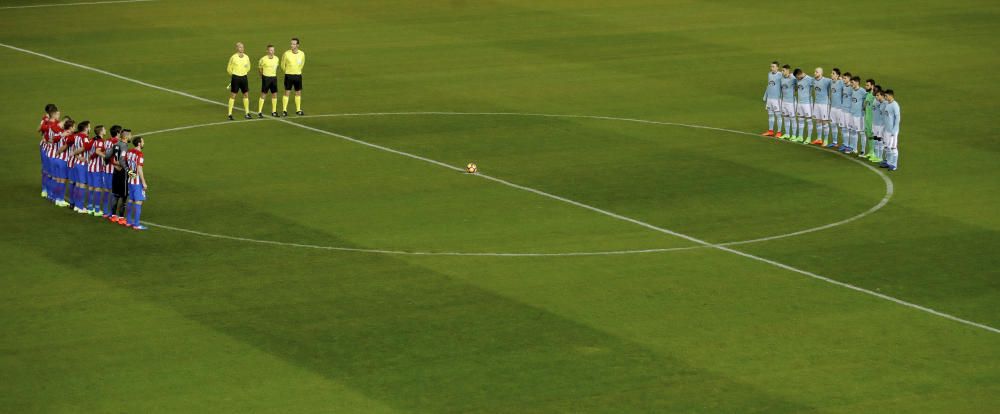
[
  {"x": 94, "y": 162},
  {"x": 43, "y": 128},
  {"x": 108, "y": 164},
  {"x": 54, "y": 137},
  {"x": 133, "y": 160},
  {"x": 67, "y": 140},
  {"x": 78, "y": 141}
]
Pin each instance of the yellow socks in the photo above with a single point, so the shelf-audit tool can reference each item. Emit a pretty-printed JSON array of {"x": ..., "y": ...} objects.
[
  {"x": 260, "y": 105},
  {"x": 274, "y": 104},
  {"x": 298, "y": 103},
  {"x": 246, "y": 104},
  {"x": 231, "y": 102},
  {"x": 284, "y": 103}
]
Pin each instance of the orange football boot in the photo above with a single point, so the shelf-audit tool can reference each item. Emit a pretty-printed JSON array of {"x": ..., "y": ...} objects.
[
  {"x": 779, "y": 135},
  {"x": 817, "y": 142},
  {"x": 769, "y": 133}
]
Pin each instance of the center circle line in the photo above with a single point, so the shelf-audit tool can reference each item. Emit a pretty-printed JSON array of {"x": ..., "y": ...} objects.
[{"x": 889, "y": 189}]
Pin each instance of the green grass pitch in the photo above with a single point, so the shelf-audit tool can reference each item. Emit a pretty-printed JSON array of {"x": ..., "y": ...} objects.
[{"x": 97, "y": 318}]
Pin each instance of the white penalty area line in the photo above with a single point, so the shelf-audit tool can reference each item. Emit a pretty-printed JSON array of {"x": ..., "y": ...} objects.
[
  {"x": 565, "y": 200},
  {"x": 88, "y": 3}
]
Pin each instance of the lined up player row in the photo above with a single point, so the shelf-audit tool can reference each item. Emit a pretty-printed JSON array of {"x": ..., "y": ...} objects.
[
  {"x": 866, "y": 120},
  {"x": 95, "y": 174}
]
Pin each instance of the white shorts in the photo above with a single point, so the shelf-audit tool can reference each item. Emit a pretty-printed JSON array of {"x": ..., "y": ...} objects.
[
  {"x": 889, "y": 140},
  {"x": 773, "y": 105},
  {"x": 845, "y": 118},
  {"x": 821, "y": 112},
  {"x": 877, "y": 130},
  {"x": 787, "y": 108},
  {"x": 803, "y": 110},
  {"x": 857, "y": 123}
]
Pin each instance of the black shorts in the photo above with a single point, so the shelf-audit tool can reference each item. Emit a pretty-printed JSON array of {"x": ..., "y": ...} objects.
[
  {"x": 293, "y": 82},
  {"x": 119, "y": 183},
  {"x": 239, "y": 84},
  {"x": 268, "y": 84}
]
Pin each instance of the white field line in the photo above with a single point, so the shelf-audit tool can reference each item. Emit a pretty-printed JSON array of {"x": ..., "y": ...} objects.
[
  {"x": 889, "y": 188},
  {"x": 88, "y": 3},
  {"x": 181, "y": 128},
  {"x": 415, "y": 253},
  {"x": 876, "y": 207},
  {"x": 113, "y": 75},
  {"x": 575, "y": 203}
]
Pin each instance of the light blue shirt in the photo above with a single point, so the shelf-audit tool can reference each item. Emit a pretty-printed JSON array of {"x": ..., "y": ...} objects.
[
  {"x": 836, "y": 89},
  {"x": 858, "y": 101},
  {"x": 821, "y": 87},
  {"x": 773, "y": 90},
  {"x": 877, "y": 112},
  {"x": 788, "y": 88},
  {"x": 892, "y": 117},
  {"x": 845, "y": 97},
  {"x": 884, "y": 110},
  {"x": 804, "y": 88}
]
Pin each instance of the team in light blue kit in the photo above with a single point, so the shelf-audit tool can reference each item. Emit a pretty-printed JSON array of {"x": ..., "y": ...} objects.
[{"x": 849, "y": 118}]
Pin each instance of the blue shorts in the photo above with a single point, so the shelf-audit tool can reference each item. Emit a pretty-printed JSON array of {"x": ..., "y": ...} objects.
[
  {"x": 106, "y": 180},
  {"x": 59, "y": 169},
  {"x": 136, "y": 193},
  {"x": 46, "y": 164},
  {"x": 80, "y": 173},
  {"x": 94, "y": 179}
]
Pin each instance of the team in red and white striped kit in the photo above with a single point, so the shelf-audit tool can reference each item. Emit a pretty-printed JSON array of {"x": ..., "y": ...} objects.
[{"x": 95, "y": 175}]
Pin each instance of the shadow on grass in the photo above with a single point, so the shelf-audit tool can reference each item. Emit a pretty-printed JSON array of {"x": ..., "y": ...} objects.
[{"x": 403, "y": 334}]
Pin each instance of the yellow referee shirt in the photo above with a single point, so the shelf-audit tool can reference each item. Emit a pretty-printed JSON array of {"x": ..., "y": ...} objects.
[
  {"x": 292, "y": 63},
  {"x": 238, "y": 66},
  {"x": 268, "y": 65}
]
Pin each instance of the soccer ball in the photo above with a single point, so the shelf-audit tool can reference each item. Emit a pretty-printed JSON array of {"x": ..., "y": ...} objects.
[{"x": 471, "y": 168}]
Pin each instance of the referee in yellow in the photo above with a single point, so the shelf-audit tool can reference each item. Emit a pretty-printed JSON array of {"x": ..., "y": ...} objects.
[
  {"x": 268, "y": 67},
  {"x": 292, "y": 62},
  {"x": 238, "y": 67}
]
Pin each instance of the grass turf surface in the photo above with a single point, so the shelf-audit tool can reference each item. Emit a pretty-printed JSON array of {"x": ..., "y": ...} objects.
[{"x": 188, "y": 323}]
